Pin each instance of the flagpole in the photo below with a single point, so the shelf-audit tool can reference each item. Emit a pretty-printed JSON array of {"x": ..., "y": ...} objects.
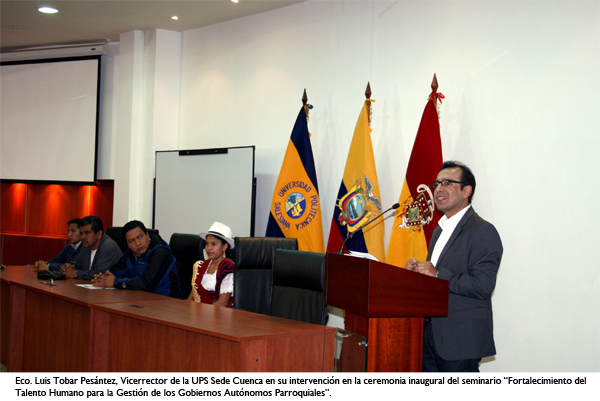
[
  {"x": 297, "y": 213},
  {"x": 412, "y": 233}
]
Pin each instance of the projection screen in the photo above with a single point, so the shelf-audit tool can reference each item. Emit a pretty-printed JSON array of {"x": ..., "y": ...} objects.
[{"x": 49, "y": 120}]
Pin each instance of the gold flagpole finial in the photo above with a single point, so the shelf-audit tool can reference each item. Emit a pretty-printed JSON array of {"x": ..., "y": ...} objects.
[
  {"x": 307, "y": 107},
  {"x": 435, "y": 96},
  {"x": 368, "y": 101}
]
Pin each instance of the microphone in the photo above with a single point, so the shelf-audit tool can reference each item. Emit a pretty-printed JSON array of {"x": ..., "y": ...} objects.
[{"x": 394, "y": 207}]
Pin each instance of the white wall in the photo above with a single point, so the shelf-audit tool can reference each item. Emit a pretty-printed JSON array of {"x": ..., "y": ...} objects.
[
  {"x": 107, "y": 127},
  {"x": 521, "y": 81},
  {"x": 139, "y": 115},
  {"x": 521, "y": 84}
]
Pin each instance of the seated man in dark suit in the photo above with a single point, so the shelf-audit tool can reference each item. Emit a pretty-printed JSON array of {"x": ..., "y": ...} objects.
[
  {"x": 99, "y": 251},
  {"x": 466, "y": 251},
  {"x": 148, "y": 264},
  {"x": 69, "y": 253}
]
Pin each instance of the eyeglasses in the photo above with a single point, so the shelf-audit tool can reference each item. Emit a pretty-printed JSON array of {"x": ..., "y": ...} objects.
[{"x": 445, "y": 183}]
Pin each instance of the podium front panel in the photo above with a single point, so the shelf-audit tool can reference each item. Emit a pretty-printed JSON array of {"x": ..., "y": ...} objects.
[{"x": 373, "y": 289}]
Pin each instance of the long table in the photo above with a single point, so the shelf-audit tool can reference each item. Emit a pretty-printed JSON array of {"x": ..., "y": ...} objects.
[
  {"x": 5, "y": 313},
  {"x": 174, "y": 335},
  {"x": 51, "y": 328},
  {"x": 67, "y": 328}
]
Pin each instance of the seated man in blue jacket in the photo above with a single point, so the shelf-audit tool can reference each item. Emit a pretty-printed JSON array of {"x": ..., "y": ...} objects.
[
  {"x": 69, "y": 253},
  {"x": 148, "y": 264}
]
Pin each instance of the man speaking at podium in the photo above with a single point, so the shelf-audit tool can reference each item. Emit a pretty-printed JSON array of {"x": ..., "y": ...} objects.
[{"x": 466, "y": 251}]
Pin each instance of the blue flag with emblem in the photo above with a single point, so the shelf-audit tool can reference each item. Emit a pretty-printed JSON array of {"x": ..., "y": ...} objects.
[{"x": 295, "y": 208}]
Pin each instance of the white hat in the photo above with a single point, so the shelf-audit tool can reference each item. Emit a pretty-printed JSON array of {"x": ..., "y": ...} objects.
[{"x": 222, "y": 231}]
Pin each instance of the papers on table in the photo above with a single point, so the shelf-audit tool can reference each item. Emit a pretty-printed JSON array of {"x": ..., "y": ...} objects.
[
  {"x": 362, "y": 255},
  {"x": 91, "y": 287}
]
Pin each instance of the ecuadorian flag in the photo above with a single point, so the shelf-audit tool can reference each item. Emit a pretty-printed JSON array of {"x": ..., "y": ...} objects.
[
  {"x": 358, "y": 200},
  {"x": 295, "y": 209},
  {"x": 416, "y": 219}
]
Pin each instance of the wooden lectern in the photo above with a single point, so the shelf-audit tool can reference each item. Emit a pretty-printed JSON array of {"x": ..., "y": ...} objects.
[{"x": 385, "y": 304}]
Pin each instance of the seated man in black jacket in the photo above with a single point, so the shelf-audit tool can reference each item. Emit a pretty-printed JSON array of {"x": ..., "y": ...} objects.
[
  {"x": 148, "y": 264},
  {"x": 69, "y": 253}
]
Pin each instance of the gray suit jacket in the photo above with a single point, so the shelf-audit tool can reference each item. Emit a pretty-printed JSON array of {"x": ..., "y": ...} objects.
[
  {"x": 107, "y": 255},
  {"x": 470, "y": 262},
  {"x": 67, "y": 255}
]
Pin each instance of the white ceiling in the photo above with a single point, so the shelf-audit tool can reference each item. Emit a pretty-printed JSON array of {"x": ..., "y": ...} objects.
[{"x": 87, "y": 21}]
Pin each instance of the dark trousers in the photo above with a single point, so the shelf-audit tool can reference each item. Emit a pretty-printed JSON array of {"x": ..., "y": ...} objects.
[{"x": 432, "y": 362}]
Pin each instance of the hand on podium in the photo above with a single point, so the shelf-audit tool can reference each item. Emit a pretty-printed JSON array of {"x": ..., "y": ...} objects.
[{"x": 426, "y": 268}]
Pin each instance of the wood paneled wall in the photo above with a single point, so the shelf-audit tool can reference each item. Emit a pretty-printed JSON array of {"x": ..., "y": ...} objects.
[{"x": 33, "y": 219}]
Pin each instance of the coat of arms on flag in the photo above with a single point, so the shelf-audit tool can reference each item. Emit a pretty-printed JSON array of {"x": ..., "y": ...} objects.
[
  {"x": 359, "y": 205},
  {"x": 415, "y": 213}
]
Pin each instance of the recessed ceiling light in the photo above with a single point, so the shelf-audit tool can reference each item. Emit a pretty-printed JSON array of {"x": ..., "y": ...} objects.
[
  {"x": 47, "y": 10},
  {"x": 175, "y": 17},
  {"x": 235, "y": 1}
]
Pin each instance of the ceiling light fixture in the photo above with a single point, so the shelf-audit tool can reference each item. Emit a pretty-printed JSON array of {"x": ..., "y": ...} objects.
[
  {"x": 47, "y": 10},
  {"x": 235, "y": 1},
  {"x": 175, "y": 17}
]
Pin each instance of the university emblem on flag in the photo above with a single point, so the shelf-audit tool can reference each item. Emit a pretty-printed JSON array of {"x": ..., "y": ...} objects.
[
  {"x": 295, "y": 205},
  {"x": 359, "y": 205},
  {"x": 417, "y": 212},
  {"x": 299, "y": 208}
]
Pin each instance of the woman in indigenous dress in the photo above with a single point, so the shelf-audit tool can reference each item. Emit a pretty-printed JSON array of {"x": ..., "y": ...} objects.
[{"x": 212, "y": 279}]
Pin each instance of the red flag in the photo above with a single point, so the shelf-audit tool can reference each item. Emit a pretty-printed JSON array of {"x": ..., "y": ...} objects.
[{"x": 416, "y": 218}]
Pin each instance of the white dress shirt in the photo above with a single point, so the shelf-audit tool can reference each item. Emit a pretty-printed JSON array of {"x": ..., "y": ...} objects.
[
  {"x": 92, "y": 257},
  {"x": 447, "y": 225}
]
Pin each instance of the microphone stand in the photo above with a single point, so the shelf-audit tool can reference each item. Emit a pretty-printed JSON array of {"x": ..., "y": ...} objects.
[{"x": 394, "y": 207}]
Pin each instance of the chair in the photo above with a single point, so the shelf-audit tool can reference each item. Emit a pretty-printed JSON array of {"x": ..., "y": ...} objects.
[
  {"x": 187, "y": 249},
  {"x": 298, "y": 286},
  {"x": 253, "y": 267},
  {"x": 116, "y": 235}
]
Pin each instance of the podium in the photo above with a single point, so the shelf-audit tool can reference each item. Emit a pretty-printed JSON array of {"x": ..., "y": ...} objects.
[{"x": 385, "y": 304}]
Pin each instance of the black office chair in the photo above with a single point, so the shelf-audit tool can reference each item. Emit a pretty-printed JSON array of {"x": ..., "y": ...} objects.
[
  {"x": 298, "y": 286},
  {"x": 116, "y": 235},
  {"x": 187, "y": 249},
  {"x": 253, "y": 271}
]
